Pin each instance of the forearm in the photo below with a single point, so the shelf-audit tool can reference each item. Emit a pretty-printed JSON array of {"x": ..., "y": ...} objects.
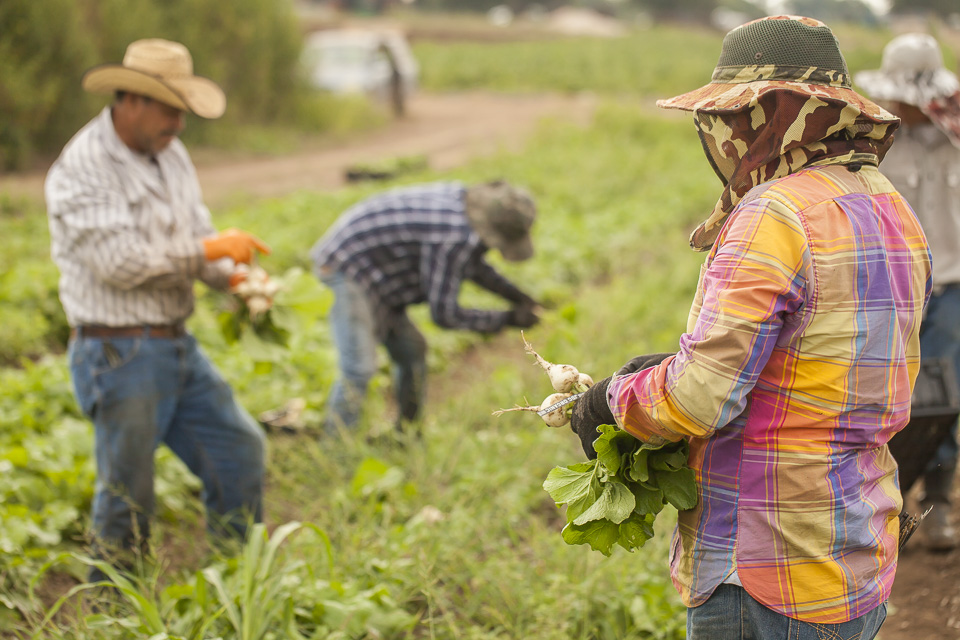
[
  {"x": 125, "y": 261},
  {"x": 491, "y": 280},
  {"x": 450, "y": 315}
]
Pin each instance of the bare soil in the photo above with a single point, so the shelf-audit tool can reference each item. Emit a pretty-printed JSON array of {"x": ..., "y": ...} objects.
[
  {"x": 448, "y": 129},
  {"x": 925, "y": 604}
]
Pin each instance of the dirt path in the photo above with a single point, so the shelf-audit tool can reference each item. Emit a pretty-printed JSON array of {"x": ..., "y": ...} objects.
[
  {"x": 926, "y": 591},
  {"x": 448, "y": 129}
]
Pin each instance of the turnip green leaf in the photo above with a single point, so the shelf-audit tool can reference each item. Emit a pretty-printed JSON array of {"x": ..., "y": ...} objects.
[
  {"x": 679, "y": 487},
  {"x": 601, "y": 535},
  {"x": 566, "y": 484},
  {"x": 614, "y": 504}
]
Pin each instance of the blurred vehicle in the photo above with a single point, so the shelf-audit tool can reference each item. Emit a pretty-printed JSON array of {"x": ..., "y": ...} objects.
[{"x": 379, "y": 64}]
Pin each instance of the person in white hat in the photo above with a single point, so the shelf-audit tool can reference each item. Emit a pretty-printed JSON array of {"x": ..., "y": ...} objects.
[
  {"x": 130, "y": 235},
  {"x": 924, "y": 165}
]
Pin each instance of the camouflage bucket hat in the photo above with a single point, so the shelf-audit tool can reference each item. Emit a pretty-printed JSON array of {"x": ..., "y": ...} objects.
[
  {"x": 502, "y": 216},
  {"x": 778, "y": 53}
]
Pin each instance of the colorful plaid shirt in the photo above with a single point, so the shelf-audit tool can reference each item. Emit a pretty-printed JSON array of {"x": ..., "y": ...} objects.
[{"x": 796, "y": 369}]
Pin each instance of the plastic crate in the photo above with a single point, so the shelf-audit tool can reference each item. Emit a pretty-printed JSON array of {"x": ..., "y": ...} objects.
[{"x": 934, "y": 409}]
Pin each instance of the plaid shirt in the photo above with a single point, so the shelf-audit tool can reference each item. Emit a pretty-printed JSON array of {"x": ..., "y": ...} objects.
[
  {"x": 797, "y": 368},
  {"x": 413, "y": 245}
]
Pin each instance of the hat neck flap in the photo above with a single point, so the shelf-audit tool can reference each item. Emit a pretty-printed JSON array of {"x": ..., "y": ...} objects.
[{"x": 779, "y": 133}]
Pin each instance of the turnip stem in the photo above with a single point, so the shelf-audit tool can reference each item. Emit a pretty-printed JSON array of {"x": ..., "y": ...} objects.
[{"x": 500, "y": 412}]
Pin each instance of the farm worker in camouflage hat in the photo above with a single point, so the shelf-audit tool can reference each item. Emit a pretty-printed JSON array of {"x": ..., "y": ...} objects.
[
  {"x": 924, "y": 165},
  {"x": 801, "y": 350},
  {"x": 130, "y": 235},
  {"x": 413, "y": 245}
]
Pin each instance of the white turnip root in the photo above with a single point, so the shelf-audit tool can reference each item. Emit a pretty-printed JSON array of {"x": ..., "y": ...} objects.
[
  {"x": 257, "y": 291},
  {"x": 566, "y": 381},
  {"x": 563, "y": 377},
  {"x": 556, "y": 418},
  {"x": 560, "y": 416}
]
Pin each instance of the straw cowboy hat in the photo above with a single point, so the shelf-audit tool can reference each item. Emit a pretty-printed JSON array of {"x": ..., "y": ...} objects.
[
  {"x": 778, "y": 53},
  {"x": 162, "y": 70},
  {"x": 912, "y": 71}
]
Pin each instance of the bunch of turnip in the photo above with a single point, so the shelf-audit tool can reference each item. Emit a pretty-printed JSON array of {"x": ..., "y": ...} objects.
[
  {"x": 566, "y": 380},
  {"x": 257, "y": 291}
]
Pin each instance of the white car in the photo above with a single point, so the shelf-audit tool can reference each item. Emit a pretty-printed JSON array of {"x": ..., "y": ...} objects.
[{"x": 378, "y": 64}]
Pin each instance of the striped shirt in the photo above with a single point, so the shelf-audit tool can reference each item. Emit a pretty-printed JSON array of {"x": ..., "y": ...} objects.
[
  {"x": 796, "y": 369},
  {"x": 413, "y": 245},
  {"x": 126, "y": 230}
]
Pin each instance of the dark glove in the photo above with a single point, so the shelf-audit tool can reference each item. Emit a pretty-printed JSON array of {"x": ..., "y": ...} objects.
[
  {"x": 591, "y": 411},
  {"x": 523, "y": 300},
  {"x": 522, "y": 316},
  {"x": 642, "y": 362}
]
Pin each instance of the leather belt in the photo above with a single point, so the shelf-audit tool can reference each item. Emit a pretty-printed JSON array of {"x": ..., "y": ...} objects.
[{"x": 139, "y": 331}]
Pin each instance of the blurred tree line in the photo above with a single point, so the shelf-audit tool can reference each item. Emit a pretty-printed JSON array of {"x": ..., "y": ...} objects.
[{"x": 250, "y": 47}]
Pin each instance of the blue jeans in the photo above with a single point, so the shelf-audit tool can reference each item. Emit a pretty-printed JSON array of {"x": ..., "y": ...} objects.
[
  {"x": 355, "y": 334},
  {"x": 731, "y": 614},
  {"x": 940, "y": 337},
  {"x": 142, "y": 391}
]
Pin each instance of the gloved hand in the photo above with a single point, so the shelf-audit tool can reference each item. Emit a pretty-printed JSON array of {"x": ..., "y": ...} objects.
[
  {"x": 239, "y": 275},
  {"x": 235, "y": 244},
  {"x": 525, "y": 300},
  {"x": 642, "y": 362},
  {"x": 591, "y": 411},
  {"x": 522, "y": 316}
]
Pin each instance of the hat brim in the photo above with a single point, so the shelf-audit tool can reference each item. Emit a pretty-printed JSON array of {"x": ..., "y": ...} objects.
[
  {"x": 879, "y": 85},
  {"x": 734, "y": 97},
  {"x": 196, "y": 94},
  {"x": 518, "y": 250}
]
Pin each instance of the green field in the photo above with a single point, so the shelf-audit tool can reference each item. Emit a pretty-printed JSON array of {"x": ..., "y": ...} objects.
[{"x": 451, "y": 537}]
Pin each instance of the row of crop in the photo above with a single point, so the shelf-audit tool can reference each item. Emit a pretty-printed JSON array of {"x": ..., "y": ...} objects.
[
  {"x": 615, "y": 201},
  {"x": 654, "y": 63}
]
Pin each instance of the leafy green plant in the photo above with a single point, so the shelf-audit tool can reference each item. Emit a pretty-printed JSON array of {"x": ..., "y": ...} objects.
[
  {"x": 615, "y": 498},
  {"x": 267, "y": 591}
]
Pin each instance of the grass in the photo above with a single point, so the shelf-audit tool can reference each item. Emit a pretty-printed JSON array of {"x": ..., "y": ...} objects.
[
  {"x": 452, "y": 537},
  {"x": 655, "y": 63}
]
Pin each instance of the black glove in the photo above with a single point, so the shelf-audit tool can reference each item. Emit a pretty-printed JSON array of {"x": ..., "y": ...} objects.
[
  {"x": 591, "y": 411},
  {"x": 642, "y": 362},
  {"x": 522, "y": 316},
  {"x": 523, "y": 300}
]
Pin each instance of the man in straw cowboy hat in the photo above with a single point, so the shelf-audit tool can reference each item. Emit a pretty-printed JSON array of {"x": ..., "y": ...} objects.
[
  {"x": 408, "y": 246},
  {"x": 924, "y": 165},
  {"x": 800, "y": 354},
  {"x": 130, "y": 234}
]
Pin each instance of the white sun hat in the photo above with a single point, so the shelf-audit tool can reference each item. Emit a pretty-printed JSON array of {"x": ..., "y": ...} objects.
[{"x": 912, "y": 72}]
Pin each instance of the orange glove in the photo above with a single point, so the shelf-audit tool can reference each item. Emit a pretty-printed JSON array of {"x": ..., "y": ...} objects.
[
  {"x": 238, "y": 277},
  {"x": 235, "y": 244}
]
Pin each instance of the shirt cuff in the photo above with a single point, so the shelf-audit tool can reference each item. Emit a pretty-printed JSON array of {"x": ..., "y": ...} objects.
[{"x": 633, "y": 399}]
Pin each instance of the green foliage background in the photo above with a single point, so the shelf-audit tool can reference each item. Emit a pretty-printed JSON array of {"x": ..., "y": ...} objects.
[
  {"x": 614, "y": 213},
  {"x": 250, "y": 47}
]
